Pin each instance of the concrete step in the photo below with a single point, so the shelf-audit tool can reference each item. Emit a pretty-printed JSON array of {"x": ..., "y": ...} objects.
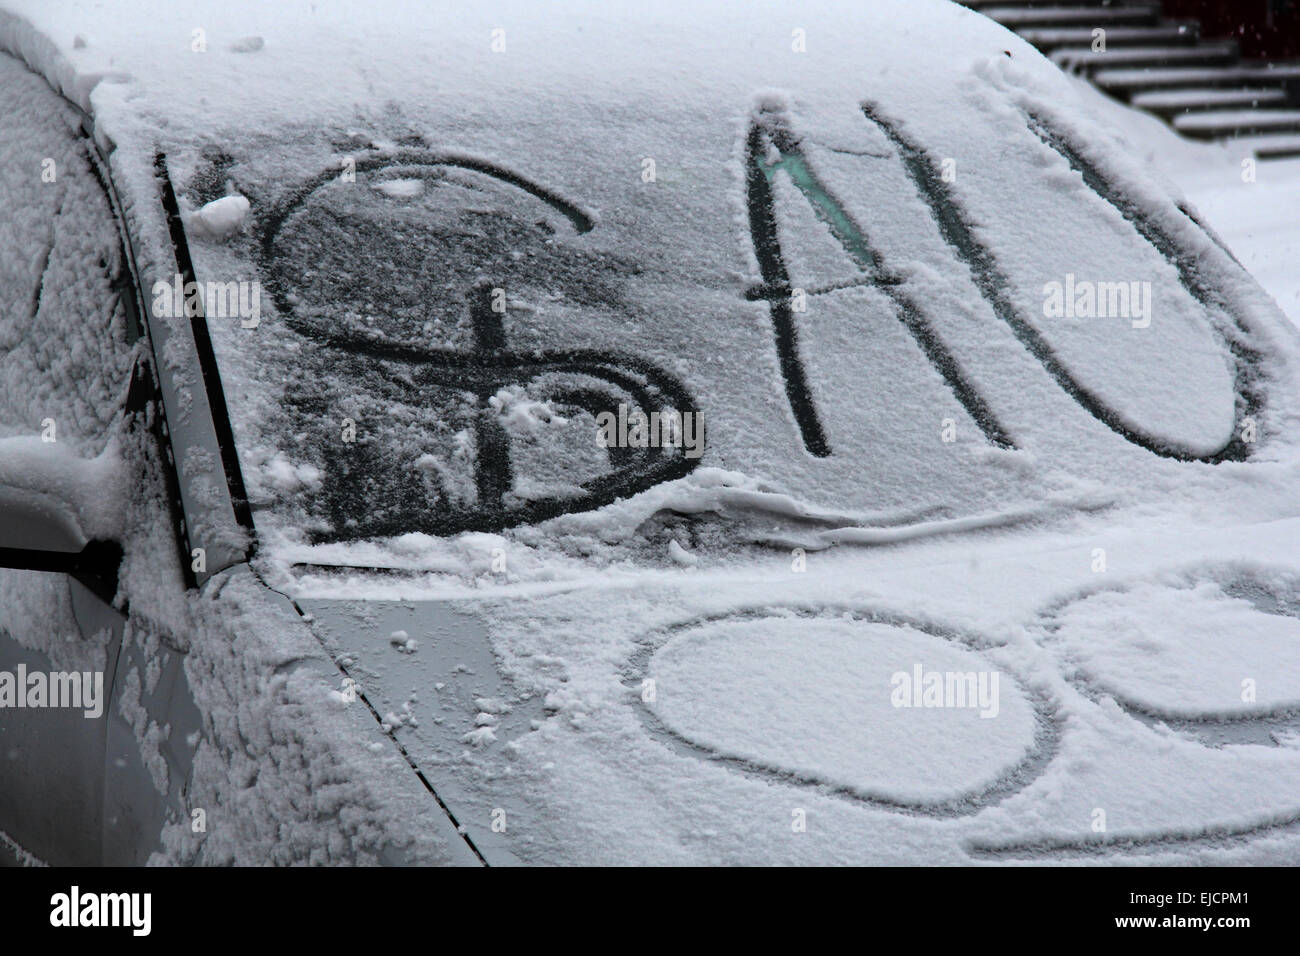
[
  {"x": 1230, "y": 124},
  {"x": 982, "y": 5},
  {"x": 1277, "y": 71},
  {"x": 1273, "y": 146},
  {"x": 1171, "y": 32},
  {"x": 1083, "y": 60},
  {"x": 1193, "y": 99},
  {"x": 1125, "y": 83},
  {"x": 1163, "y": 66},
  {"x": 1138, "y": 14}
]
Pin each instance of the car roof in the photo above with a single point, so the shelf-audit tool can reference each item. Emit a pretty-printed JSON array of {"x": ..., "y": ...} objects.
[{"x": 261, "y": 64}]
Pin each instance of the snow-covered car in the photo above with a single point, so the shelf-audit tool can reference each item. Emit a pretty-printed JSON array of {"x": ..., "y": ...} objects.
[{"x": 658, "y": 433}]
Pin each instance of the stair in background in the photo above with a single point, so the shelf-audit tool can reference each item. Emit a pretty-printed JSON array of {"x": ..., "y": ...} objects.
[{"x": 1200, "y": 86}]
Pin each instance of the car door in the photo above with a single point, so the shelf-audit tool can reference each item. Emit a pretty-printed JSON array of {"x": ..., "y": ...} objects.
[{"x": 66, "y": 354}]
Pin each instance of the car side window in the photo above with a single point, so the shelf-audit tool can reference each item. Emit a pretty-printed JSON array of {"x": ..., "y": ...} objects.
[{"x": 64, "y": 360}]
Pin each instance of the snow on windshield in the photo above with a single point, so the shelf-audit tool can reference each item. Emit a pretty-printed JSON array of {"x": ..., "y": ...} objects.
[
  {"x": 802, "y": 305},
  {"x": 910, "y": 299}
]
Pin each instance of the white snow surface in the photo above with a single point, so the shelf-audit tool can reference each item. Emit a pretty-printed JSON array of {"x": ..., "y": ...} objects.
[
  {"x": 1192, "y": 652},
  {"x": 1252, "y": 204},
  {"x": 93, "y": 490},
  {"x": 821, "y": 699},
  {"x": 1121, "y": 596},
  {"x": 63, "y": 357},
  {"x": 220, "y": 218}
]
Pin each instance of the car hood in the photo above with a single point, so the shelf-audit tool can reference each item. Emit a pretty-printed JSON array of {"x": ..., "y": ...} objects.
[{"x": 1130, "y": 695}]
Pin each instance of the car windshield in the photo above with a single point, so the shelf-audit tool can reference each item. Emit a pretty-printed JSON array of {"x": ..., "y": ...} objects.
[{"x": 787, "y": 326}]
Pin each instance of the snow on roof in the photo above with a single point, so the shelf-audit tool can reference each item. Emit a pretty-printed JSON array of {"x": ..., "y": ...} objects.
[{"x": 243, "y": 63}]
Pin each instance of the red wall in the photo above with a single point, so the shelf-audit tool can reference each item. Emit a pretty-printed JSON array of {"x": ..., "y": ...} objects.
[{"x": 1265, "y": 28}]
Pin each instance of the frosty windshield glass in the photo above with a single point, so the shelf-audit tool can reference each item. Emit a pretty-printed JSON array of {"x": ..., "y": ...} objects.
[{"x": 783, "y": 328}]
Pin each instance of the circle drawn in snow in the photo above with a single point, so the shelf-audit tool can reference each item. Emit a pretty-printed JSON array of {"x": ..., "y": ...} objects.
[
  {"x": 389, "y": 259},
  {"x": 1199, "y": 649},
  {"x": 829, "y": 701}
]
